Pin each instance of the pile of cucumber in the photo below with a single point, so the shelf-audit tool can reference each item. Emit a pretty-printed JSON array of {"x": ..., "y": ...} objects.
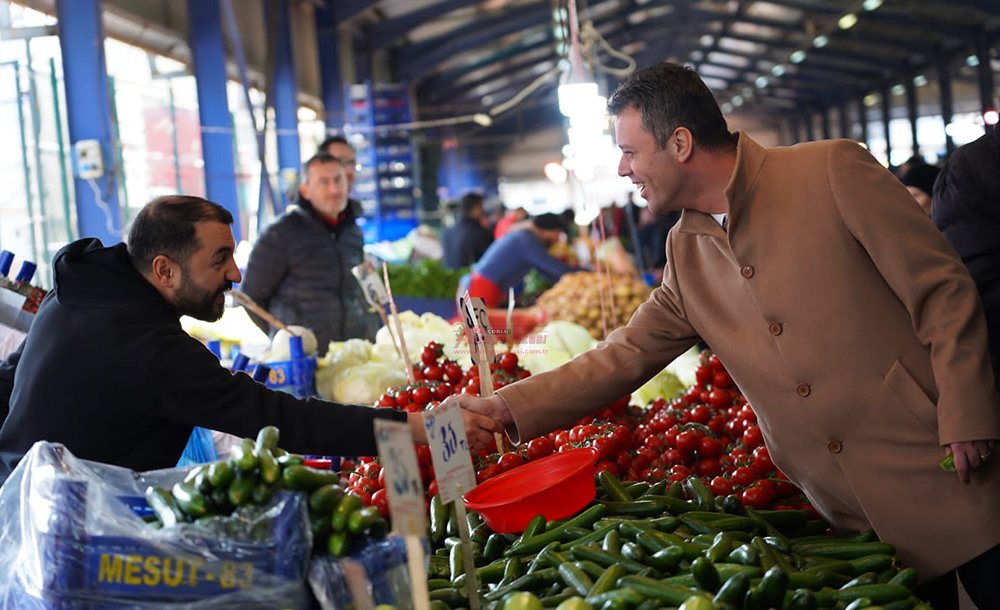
[
  {"x": 650, "y": 547},
  {"x": 255, "y": 470}
]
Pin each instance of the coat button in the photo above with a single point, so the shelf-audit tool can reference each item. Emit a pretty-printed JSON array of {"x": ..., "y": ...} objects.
[
  {"x": 774, "y": 328},
  {"x": 803, "y": 390},
  {"x": 835, "y": 446},
  {"x": 746, "y": 271}
]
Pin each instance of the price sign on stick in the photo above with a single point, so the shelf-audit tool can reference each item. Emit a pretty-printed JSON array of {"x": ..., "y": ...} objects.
[
  {"x": 399, "y": 327},
  {"x": 481, "y": 347},
  {"x": 455, "y": 476},
  {"x": 449, "y": 450},
  {"x": 371, "y": 285},
  {"x": 406, "y": 499},
  {"x": 510, "y": 319}
]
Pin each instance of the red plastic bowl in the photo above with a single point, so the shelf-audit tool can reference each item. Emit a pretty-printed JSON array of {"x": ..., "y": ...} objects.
[{"x": 556, "y": 486}]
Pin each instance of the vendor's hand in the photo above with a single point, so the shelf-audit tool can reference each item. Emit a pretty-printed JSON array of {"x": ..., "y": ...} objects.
[
  {"x": 969, "y": 455},
  {"x": 493, "y": 407}
]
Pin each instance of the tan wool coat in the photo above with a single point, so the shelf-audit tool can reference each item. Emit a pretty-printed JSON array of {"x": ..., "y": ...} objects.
[{"x": 850, "y": 325}]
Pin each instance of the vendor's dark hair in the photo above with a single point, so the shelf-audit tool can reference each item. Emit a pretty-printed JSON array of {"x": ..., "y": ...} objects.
[
  {"x": 166, "y": 225},
  {"x": 320, "y": 158},
  {"x": 333, "y": 140},
  {"x": 668, "y": 96},
  {"x": 470, "y": 201}
]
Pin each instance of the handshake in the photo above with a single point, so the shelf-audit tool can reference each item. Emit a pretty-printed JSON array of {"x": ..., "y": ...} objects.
[{"x": 483, "y": 418}]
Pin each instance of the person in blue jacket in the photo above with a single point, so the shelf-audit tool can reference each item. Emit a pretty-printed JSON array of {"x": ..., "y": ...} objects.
[{"x": 507, "y": 260}]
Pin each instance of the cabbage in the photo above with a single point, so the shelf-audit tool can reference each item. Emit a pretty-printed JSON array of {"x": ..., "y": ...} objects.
[
  {"x": 556, "y": 344},
  {"x": 663, "y": 385},
  {"x": 420, "y": 330},
  {"x": 279, "y": 344},
  {"x": 363, "y": 383}
]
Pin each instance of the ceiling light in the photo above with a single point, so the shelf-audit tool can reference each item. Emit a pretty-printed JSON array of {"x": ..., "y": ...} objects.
[
  {"x": 747, "y": 92},
  {"x": 797, "y": 57},
  {"x": 727, "y": 108},
  {"x": 555, "y": 172},
  {"x": 761, "y": 82},
  {"x": 697, "y": 55},
  {"x": 972, "y": 61},
  {"x": 820, "y": 41},
  {"x": 737, "y": 101},
  {"x": 848, "y": 21},
  {"x": 898, "y": 90},
  {"x": 871, "y": 5},
  {"x": 991, "y": 116},
  {"x": 481, "y": 118},
  {"x": 871, "y": 99},
  {"x": 778, "y": 70},
  {"x": 706, "y": 40},
  {"x": 920, "y": 80}
]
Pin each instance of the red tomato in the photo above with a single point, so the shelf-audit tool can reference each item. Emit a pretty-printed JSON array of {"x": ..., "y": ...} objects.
[
  {"x": 367, "y": 483},
  {"x": 562, "y": 438},
  {"x": 488, "y": 473},
  {"x": 423, "y": 454},
  {"x": 673, "y": 456},
  {"x": 403, "y": 398},
  {"x": 722, "y": 380},
  {"x": 715, "y": 363},
  {"x": 703, "y": 375},
  {"x": 700, "y": 413},
  {"x": 422, "y": 395},
  {"x": 721, "y": 486},
  {"x": 752, "y": 437},
  {"x": 381, "y": 479},
  {"x": 508, "y": 362},
  {"x": 623, "y": 460},
  {"x": 744, "y": 476},
  {"x": 708, "y": 467},
  {"x": 433, "y": 372},
  {"x": 370, "y": 470},
  {"x": 441, "y": 391},
  {"x": 432, "y": 488},
  {"x": 509, "y": 460},
  {"x": 621, "y": 437},
  {"x": 606, "y": 465},
  {"x": 386, "y": 401},
  {"x": 717, "y": 424},
  {"x": 761, "y": 494},
  {"x": 540, "y": 447},
  {"x": 654, "y": 442},
  {"x": 709, "y": 447},
  {"x": 605, "y": 447},
  {"x": 366, "y": 497},
  {"x": 687, "y": 442},
  {"x": 720, "y": 399},
  {"x": 452, "y": 371},
  {"x": 678, "y": 472},
  {"x": 762, "y": 461},
  {"x": 380, "y": 500}
]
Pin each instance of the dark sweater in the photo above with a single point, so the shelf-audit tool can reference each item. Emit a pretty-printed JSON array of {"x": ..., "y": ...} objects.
[
  {"x": 966, "y": 208},
  {"x": 108, "y": 371},
  {"x": 464, "y": 243}
]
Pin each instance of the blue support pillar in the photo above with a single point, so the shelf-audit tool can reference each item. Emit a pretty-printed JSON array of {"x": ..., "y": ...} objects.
[
  {"x": 209, "y": 58},
  {"x": 88, "y": 114},
  {"x": 286, "y": 106},
  {"x": 331, "y": 76}
]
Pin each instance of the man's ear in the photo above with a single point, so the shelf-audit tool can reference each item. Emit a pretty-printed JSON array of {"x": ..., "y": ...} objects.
[
  {"x": 682, "y": 144},
  {"x": 165, "y": 273}
]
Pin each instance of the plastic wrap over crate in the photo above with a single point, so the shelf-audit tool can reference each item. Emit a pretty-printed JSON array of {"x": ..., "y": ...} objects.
[
  {"x": 377, "y": 570},
  {"x": 73, "y": 537}
]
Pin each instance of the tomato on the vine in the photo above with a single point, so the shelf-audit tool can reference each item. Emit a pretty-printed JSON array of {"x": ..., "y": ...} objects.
[
  {"x": 762, "y": 461},
  {"x": 540, "y": 447},
  {"x": 509, "y": 460},
  {"x": 744, "y": 476},
  {"x": 380, "y": 500},
  {"x": 687, "y": 442},
  {"x": 508, "y": 362},
  {"x": 752, "y": 437},
  {"x": 721, "y": 486}
]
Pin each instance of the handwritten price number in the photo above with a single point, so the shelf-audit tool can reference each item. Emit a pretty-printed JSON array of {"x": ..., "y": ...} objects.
[
  {"x": 449, "y": 450},
  {"x": 475, "y": 315},
  {"x": 406, "y": 494},
  {"x": 449, "y": 442},
  {"x": 405, "y": 484}
]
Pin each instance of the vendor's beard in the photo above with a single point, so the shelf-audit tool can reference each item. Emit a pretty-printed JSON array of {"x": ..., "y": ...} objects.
[{"x": 191, "y": 300}]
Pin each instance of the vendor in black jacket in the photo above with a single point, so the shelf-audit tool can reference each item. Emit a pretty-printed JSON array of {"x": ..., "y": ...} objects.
[{"x": 107, "y": 370}]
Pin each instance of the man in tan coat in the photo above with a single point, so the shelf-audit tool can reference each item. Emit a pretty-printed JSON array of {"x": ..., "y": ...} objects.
[{"x": 840, "y": 311}]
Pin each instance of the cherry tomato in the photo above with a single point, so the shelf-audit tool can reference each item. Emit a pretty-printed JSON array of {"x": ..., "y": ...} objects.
[
  {"x": 386, "y": 400},
  {"x": 720, "y": 399},
  {"x": 621, "y": 437},
  {"x": 562, "y": 438},
  {"x": 708, "y": 467},
  {"x": 752, "y": 437},
  {"x": 509, "y": 460},
  {"x": 715, "y": 363},
  {"x": 721, "y": 486},
  {"x": 700, "y": 413},
  {"x": 488, "y": 473},
  {"x": 609, "y": 466},
  {"x": 366, "y": 496},
  {"x": 380, "y": 500},
  {"x": 717, "y": 424},
  {"x": 709, "y": 447},
  {"x": 703, "y": 375},
  {"x": 403, "y": 397},
  {"x": 605, "y": 447},
  {"x": 441, "y": 391},
  {"x": 540, "y": 447},
  {"x": 678, "y": 472},
  {"x": 623, "y": 460},
  {"x": 381, "y": 479},
  {"x": 673, "y": 456},
  {"x": 762, "y": 461},
  {"x": 370, "y": 470},
  {"x": 722, "y": 380},
  {"x": 508, "y": 362},
  {"x": 452, "y": 371},
  {"x": 687, "y": 442},
  {"x": 432, "y": 488},
  {"x": 423, "y": 454},
  {"x": 744, "y": 476},
  {"x": 759, "y": 495},
  {"x": 421, "y": 395}
]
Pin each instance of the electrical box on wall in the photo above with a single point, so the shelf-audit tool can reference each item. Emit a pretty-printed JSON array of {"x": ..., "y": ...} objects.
[{"x": 88, "y": 160}]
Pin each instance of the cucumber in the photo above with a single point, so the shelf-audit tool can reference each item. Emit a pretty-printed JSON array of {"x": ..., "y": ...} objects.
[
  {"x": 243, "y": 456},
  {"x": 337, "y": 544},
  {"x": 240, "y": 491},
  {"x": 270, "y": 472},
  {"x": 361, "y": 519},
  {"x": 325, "y": 498},
  {"x": 575, "y": 578},
  {"x": 305, "y": 478},
  {"x": 262, "y": 493},
  {"x": 348, "y": 505},
  {"x": 438, "y": 521},
  {"x": 878, "y": 593},
  {"x": 267, "y": 438},
  {"x": 615, "y": 490},
  {"x": 734, "y": 590},
  {"x": 191, "y": 501},
  {"x": 906, "y": 577},
  {"x": 163, "y": 505},
  {"x": 706, "y": 575},
  {"x": 669, "y": 595},
  {"x": 220, "y": 474}
]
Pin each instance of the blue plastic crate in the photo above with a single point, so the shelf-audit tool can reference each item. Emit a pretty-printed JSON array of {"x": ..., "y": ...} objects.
[{"x": 297, "y": 377}]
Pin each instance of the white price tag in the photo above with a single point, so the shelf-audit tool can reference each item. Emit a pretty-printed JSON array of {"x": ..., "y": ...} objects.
[
  {"x": 450, "y": 451},
  {"x": 371, "y": 286},
  {"x": 477, "y": 328},
  {"x": 402, "y": 477}
]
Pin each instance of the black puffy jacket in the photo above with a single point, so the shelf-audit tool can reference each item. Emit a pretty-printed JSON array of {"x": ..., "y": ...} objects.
[
  {"x": 300, "y": 271},
  {"x": 966, "y": 208}
]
